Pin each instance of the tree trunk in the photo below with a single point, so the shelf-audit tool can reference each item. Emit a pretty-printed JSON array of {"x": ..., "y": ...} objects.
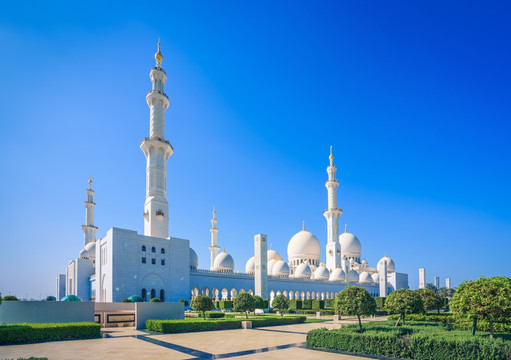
[
  {"x": 359, "y": 323},
  {"x": 491, "y": 329},
  {"x": 474, "y": 326},
  {"x": 398, "y": 319},
  {"x": 246, "y": 314}
]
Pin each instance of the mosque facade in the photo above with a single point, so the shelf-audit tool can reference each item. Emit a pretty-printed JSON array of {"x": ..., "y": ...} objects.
[{"x": 125, "y": 263}]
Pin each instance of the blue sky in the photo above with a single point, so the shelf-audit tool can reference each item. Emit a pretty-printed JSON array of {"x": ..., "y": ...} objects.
[{"x": 413, "y": 96}]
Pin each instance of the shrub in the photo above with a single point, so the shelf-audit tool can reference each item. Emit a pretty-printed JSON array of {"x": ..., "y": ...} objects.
[
  {"x": 355, "y": 300},
  {"x": 280, "y": 302},
  {"x": 430, "y": 299},
  {"x": 244, "y": 302},
  {"x": 380, "y": 302},
  {"x": 9, "y": 298},
  {"x": 402, "y": 302},
  {"x": 318, "y": 304},
  {"x": 126, "y": 300},
  {"x": 225, "y": 304},
  {"x": 185, "y": 303},
  {"x": 51, "y": 298},
  {"x": 155, "y": 299},
  {"x": 258, "y": 302},
  {"x": 29, "y": 333},
  {"x": 135, "y": 298},
  {"x": 307, "y": 304},
  {"x": 70, "y": 298},
  {"x": 295, "y": 304},
  {"x": 202, "y": 303},
  {"x": 214, "y": 314},
  {"x": 329, "y": 303},
  {"x": 436, "y": 318}
]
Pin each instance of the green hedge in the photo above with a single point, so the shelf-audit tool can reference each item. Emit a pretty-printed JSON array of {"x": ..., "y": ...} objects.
[
  {"x": 318, "y": 304},
  {"x": 307, "y": 304},
  {"x": 329, "y": 303},
  {"x": 439, "y": 318},
  {"x": 295, "y": 304},
  {"x": 410, "y": 343},
  {"x": 380, "y": 302},
  {"x": 458, "y": 322},
  {"x": 214, "y": 314},
  {"x": 466, "y": 324},
  {"x": 29, "y": 333},
  {"x": 191, "y": 325},
  {"x": 224, "y": 304}
]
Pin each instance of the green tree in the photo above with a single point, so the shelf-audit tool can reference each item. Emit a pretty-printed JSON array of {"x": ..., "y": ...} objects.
[
  {"x": 430, "y": 299},
  {"x": 155, "y": 299},
  {"x": 280, "y": 302},
  {"x": 446, "y": 292},
  {"x": 486, "y": 299},
  {"x": 244, "y": 302},
  {"x": 202, "y": 303},
  {"x": 430, "y": 286},
  {"x": 402, "y": 302},
  {"x": 258, "y": 302},
  {"x": 10, "y": 298},
  {"x": 355, "y": 300},
  {"x": 185, "y": 303},
  {"x": 126, "y": 300}
]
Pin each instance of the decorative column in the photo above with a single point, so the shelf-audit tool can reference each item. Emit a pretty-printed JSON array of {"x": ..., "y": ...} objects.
[
  {"x": 89, "y": 230},
  {"x": 214, "y": 248},
  {"x": 332, "y": 214},
  {"x": 157, "y": 151},
  {"x": 260, "y": 266},
  {"x": 422, "y": 278},
  {"x": 382, "y": 273}
]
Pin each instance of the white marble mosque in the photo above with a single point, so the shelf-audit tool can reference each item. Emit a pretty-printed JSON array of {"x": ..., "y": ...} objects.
[{"x": 125, "y": 263}]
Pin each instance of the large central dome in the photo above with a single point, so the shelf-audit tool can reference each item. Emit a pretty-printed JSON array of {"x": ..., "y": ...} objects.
[{"x": 304, "y": 245}]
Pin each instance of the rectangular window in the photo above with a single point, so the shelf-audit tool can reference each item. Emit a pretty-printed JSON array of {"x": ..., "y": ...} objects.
[
  {"x": 153, "y": 261},
  {"x": 143, "y": 260},
  {"x": 163, "y": 261}
]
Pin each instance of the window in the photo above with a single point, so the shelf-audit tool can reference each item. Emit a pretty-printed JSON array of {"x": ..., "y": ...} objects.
[
  {"x": 153, "y": 293},
  {"x": 163, "y": 261},
  {"x": 162, "y": 251},
  {"x": 153, "y": 261},
  {"x": 143, "y": 247},
  {"x": 144, "y": 294},
  {"x": 153, "y": 250},
  {"x": 143, "y": 260},
  {"x": 162, "y": 295}
]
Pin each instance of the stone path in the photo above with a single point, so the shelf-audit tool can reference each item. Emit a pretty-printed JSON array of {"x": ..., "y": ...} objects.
[{"x": 275, "y": 342}]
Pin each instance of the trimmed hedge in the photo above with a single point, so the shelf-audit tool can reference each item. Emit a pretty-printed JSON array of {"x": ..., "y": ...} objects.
[
  {"x": 30, "y": 333},
  {"x": 318, "y": 304},
  {"x": 307, "y": 304},
  {"x": 380, "y": 302},
  {"x": 441, "y": 318},
  {"x": 410, "y": 343},
  {"x": 458, "y": 322},
  {"x": 224, "y": 304},
  {"x": 295, "y": 304},
  {"x": 214, "y": 314},
  {"x": 329, "y": 303},
  {"x": 191, "y": 325}
]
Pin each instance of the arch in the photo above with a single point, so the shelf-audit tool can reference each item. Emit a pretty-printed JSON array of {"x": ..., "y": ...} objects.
[
  {"x": 291, "y": 295},
  {"x": 302, "y": 295},
  {"x": 143, "y": 247},
  {"x": 162, "y": 295},
  {"x": 215, "y": 293},
  {"x": 318, "y": 295},
  {"x": 279, "y": 292},
  {"x": 153, "y": 249},
  {"x": 205, "y": 291},
  {"x": 297, "y": 295},
  {"x": 285, "y": 293},
  {"x": 195, "y": 291},
  {"x": 250, "y": 292},
  {"x": 144, "y": 294},
  {"x": 308, "y": 295},
  {"x": 225, "y": 294},
  {"x": 153, "y": 293},
  {"x": 162, "y": 251},
  {"x": 322, "y": 295},
  {"x": 234, "y": 293},
  {"x": 272, "y": 296},
  {"x": 241, "y": 291}
]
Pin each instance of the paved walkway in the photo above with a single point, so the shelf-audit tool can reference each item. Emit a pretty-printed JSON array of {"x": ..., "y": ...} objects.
[{"x": 275, "y": 342}]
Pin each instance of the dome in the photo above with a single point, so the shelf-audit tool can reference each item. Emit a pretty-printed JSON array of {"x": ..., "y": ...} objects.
[
  {"x": 365, "y": 277},
  {"x": 352, "y": 276},
  {"x": 194, "y": 259},
  {"x": 337, "y": 275},
  {"x": 304, "y": 245},
  {"x": 350, "y": 245},
  {"x": 270, "y": 266},
  {"x": 89, "y": 251},
  {"x": 281, "y": 268},
  {"x": 321, "y": 273},
  {"x": 391, "y": 267},
  {"x": 223, "y": 262},
  {"x": 364, "y": 262},
  {"x": 272, "y": 254},
  {"x": 303, "y": 271},
  {"x": 375, "y": 277},
  {"x": 70, "y": 298},
  {"x": 250, "y": 266}
]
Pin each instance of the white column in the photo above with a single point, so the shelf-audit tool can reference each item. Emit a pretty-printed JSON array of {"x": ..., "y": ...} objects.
[
  {"x": 261, "y": 260},
  {"x": 214, "y": 248},
  {"x": 332, "y": 214},
  {"x": 382, "y": 273},
  {"x": 157, "y": 151},
  {"x": 89, "y": 230},
  {"x": 422, "y": 278},
  {"x": 448, "y": 283}
]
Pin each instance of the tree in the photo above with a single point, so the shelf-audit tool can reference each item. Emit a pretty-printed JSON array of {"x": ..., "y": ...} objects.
[
  {"x": 258, "y": 302},
  {"x": 244, "y": 302},
  {"x": 446, "y": 292},
  {"x": 202, "y": 303},
  {"x": 50, "y": 298},
  {"x": 185, "y": 303},
  {"x": 126, "y": 300},
  {"x": 430, "y": 299},
  {"x": 430, "y": 286},
  {"x": 155, "y": 299},
  {"x": 486, "y": 299},
  {"x": 135, "y": 298},
  {"x": 280, "y": 302},
  {"x": 355, "y": 300},
  {"x": 9, "y": 298},
  {"x": 402, "y": 302}
]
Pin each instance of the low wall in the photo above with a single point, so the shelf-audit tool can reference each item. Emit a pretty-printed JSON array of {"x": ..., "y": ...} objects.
[
  {"x": 113, "y": 306},
  {"x": 14, "y": 312},
  {"x": 157, "y": 311}
]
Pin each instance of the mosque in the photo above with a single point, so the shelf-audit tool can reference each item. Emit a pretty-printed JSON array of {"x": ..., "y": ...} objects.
[{"x": 125, "y": 263}]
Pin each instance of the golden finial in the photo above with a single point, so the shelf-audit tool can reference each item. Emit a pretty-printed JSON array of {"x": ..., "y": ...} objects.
[
  {"x": 345, "y": 228},
  {"x": 331, "y": 157},
  {"x": 223, "y": 250},
  {"x": 90, "y": 181},
  {"x": 214, "y": 212},
  {"x": 158, "y": 56},
  {"x": 385, "y": 254},
  {"x": 270, "y": 247},
  {"x": 303, "y": 225}
]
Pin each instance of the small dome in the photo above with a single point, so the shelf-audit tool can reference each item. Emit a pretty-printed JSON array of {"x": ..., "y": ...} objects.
[
  {"x": 223, "y": 262},
  {"x": 350, "y": 245},
  {"x": 337, "y": 275},
  {"x": 321, "y": 273},
  {"x": 376, "y": 277},
  {"x": 304, "y": 245},
  {"x": 89, "y": 251},
  {"x": 365, "y": 277},
  {"x": 391, "y": 267},
  {"x": 281, "y": 268},
  {"x": 352, "y": 276},
  {"x": 303, "y": 271},
  {"x": 364, "y": 262},
  {"x": 70, "y": 298},
  {"x": 194, "y": 259},
  {"x": 270, "y": 266},
  {"x": 272, "y": 254},
  {"x": 250, "y": 266}
]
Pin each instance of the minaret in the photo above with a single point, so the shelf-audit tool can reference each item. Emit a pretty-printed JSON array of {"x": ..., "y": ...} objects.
[
  {"x": 89, "y": 230},
  {"x": 332, "y": 214},
  {"x": 214, "y": 248},
  {"x": 157, "y": 151}
]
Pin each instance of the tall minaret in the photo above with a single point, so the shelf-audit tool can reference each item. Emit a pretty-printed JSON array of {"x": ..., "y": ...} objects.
[
  {"x": 157, "y": 151},
  {"x": 214, "y": 248},
  {"x": 332, "y": 214},
  {"x": 89, "y": 230}
]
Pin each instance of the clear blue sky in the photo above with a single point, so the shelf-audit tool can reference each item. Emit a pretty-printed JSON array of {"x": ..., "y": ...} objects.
[{"x": 415, "y": 98}]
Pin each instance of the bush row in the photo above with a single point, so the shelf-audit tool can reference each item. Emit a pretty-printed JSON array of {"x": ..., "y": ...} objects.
[
  {"x": 416, "y": 346},
  {"x": 178, "y": 326},
  {"x": 214, "y": 314},
  {"x": 458, "y": 322},
  {"x": 297, "y": 304},
  {"x": 442, "y": 318},
  {"x": 29, "y": 333},
  {"x": 229, "y": 304}
]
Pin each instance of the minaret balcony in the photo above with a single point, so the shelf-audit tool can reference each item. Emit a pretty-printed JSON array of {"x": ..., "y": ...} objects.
[
  {"x": 157, "y": 92},
  {"x": 159, "y": 69},
  {"x": 89, "y": 227}
]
